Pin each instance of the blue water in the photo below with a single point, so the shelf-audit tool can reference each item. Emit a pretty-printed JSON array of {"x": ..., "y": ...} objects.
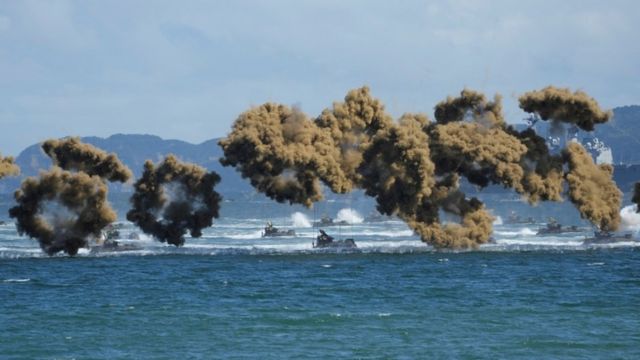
[
  {"x": 465, "y": 305},
  {"x": 232, "y": 294}
]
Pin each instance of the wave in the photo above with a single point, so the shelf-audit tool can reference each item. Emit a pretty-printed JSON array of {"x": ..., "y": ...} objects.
[
  {"x": 371, "y": 233},
  {"x": 373, "y": 247},
  {"x": 350, "y": 216},
  {"x": 630, "y": 218},
  {"x": 247, "y": 239},
  {"x": 542, "y": 241},
  {"x": 243, "y": 236},
  {"x": 300, "y": 220},
  {"x": 521, "y": 232}
]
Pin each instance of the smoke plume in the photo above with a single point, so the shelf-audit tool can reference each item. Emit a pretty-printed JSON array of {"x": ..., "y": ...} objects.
[
  {"x": 562, "y": 105},
  {"x": 173, "y": 198},
  {"x": 470, "y": 104},
  {"x": 397, "y": 169},
  {"x": 591, "y": 188},
  {"x": 284, "y": 154},
  {"x": 413, "y": 167},
  {"x": 543, "y": 172},
  {"x": 72, "y": 154},
  {"x": 62, "y": 209},
  {"x": 352, "y": 124},
  {"x": 8, "y": 167}
]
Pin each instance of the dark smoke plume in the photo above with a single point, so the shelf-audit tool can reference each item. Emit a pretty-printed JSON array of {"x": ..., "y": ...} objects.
[
  {"x": 412, "y": 168},
  {"x": 72, "y": 154},
  {"x": 173, "y": 198},
  {"x": 397, "y": 169},
  {"x": 8, "y": 167},
  {"x": 562, "y": 105},
  {"x": 543, "y": 172},
  {"x": 62, "y": 209},
  {"x": 470, "y": 104},
  {"x": 636, "y": 196}
]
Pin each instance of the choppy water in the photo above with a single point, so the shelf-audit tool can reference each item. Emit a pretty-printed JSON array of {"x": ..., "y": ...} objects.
[{"x": 233, "y": 294}]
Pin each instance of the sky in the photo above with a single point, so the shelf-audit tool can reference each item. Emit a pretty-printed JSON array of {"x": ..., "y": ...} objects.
[{"x": 186, "y": 69}]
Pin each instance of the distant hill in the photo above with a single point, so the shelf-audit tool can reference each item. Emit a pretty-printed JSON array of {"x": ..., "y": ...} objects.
[
  {"x": 622, "y": 134},
  {"x": 134, "y": 150}
]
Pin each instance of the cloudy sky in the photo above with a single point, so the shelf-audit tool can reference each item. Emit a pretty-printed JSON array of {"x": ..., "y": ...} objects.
[{"x": 186, "y": 69}]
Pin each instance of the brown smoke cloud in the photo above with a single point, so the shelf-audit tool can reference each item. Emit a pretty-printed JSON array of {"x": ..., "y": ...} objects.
[
  {"x": 592, "y": 189},
  {"x": 470, "y": 104},
  {"x": 173, "y": 198},
  {"x": 543, "y": 172},
  {"x": 62, "y": 209},
  {"x": 8, "y": 167},
  {"x": 483, "y": 155},
  {"x": 73, "y": 154},
  {"x": 397, "y": 169},
  {"x": 352, "y": 124},
  {"x": 413, "y": 167},
  {"x": 284, "y": 154},
  {"x": 474, "y": 229},
  {"x": 562, "y": 105}
]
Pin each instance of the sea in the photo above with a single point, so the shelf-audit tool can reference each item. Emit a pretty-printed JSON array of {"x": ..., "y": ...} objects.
[{"x": 232, "y": 294}]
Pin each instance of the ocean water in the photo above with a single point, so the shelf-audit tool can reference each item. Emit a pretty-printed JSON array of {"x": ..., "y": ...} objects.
[{"x": 234, "y": 294}]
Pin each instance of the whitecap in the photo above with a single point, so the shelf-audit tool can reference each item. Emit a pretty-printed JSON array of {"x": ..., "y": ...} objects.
[
  {"x": 521, "y": 232},
  {"x": 630, "y": 218},
  {"x": 300, "y": 220},
  {"x": 350, "y": 216}
]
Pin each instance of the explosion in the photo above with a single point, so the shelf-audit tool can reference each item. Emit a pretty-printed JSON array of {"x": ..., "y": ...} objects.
[
  {"x": 557, "y": 104},
  {"x": 413, "y": 167},
  {"x": 72, "y": 154},
  {"x": 63, "y": 209},
  {"x": 173, "y": 198}
]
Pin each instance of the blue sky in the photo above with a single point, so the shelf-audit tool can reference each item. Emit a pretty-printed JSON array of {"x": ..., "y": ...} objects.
[{"x": 186, "y": 69}]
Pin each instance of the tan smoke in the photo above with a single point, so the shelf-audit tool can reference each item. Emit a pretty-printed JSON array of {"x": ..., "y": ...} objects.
[
  {"x": 591, "y": 188},
  {"x": 470, "y": 104},
  {"x": 62, "y": 209},
  {"x": 543, "y": 172},
  {"x": 8, "y": 167},
  {"x": 173, "y": 198},
  {"x": 413, "y": 167},
  {"x": 483, "y": 155},
  {"x": 474, "y": 229},
  {"x": 73, "y": 154},
  {"x": 397, "y": 169},
  {"x": 352, "y": 124},
  {"x": 284, "y": 154},
  {"x": 560, "y": 104}
]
